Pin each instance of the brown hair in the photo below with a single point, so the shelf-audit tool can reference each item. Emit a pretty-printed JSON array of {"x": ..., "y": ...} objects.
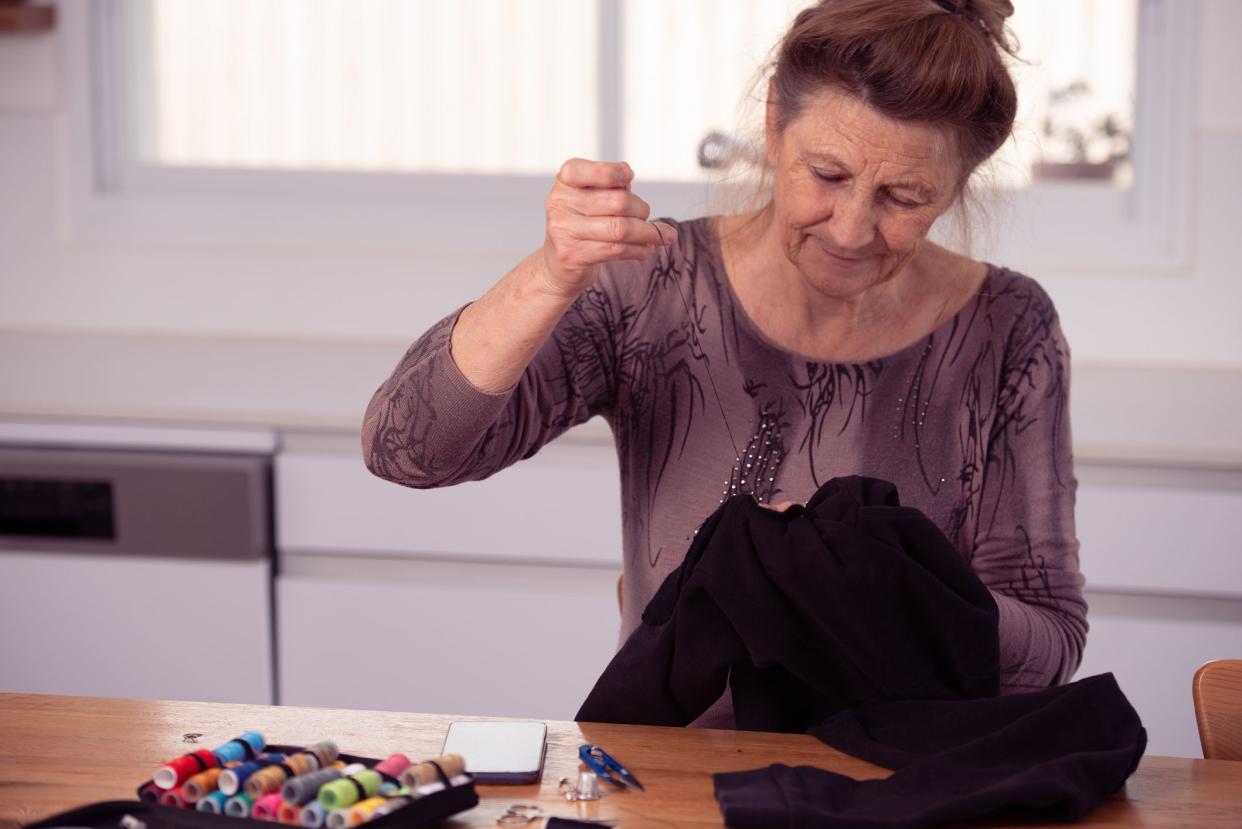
[{"x": 938, "y": 62}]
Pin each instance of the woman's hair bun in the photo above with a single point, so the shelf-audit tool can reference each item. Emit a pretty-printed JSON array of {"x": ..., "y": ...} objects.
[{"x": 989, "y": 15}]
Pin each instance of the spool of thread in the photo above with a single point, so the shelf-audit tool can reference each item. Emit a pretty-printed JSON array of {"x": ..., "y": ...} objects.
[
  {"x": 245, "y": 747},
  {"x": 178, "y": 771},
  {"x": 212, "y": 804},
  {"x": 303, "y": 788},
  {"x": 360, "y": 813},
  {"x": 173, "y": 798},
  {"x": 347, "y": 791},
  {"x": 265, "y": 807},
  {"x": 150, "y": 793},
  {"x": 273, "y": 777},
  {"x": 313, "y": 815},
  {"x": 239, "y": 805},
  {"x": 393, "y": 804},
  {"x": 393, "y": 766},
  {"x": 289, "y": 813},
  {"x": 201, "y": 785},
  {"x": 231, "y": 780},
  {"x": 420, "y": 774}
]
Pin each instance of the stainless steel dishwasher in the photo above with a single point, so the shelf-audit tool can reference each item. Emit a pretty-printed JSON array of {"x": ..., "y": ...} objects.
[{"x": 136, "y": 573}]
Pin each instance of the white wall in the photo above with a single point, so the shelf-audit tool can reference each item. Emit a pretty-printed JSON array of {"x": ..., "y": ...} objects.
[{"x": 52, "y": 277}]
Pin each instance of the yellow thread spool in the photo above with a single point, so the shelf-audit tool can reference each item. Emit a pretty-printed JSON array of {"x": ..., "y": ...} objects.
[{"x": 361, "y": 813}]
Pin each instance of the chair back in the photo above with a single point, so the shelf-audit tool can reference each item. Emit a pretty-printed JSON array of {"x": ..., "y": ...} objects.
[{"x": 1217, "y": 692}]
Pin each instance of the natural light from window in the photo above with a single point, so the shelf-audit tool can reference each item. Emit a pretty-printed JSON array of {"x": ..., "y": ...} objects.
[{"x": 504, "y": 87}]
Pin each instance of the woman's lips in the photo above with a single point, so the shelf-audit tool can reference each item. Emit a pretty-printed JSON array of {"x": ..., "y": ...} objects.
[{"x": 841, "y": 261}]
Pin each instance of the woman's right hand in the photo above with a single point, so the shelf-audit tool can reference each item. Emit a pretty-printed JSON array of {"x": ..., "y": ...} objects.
[{"x": 594, "y": 218}]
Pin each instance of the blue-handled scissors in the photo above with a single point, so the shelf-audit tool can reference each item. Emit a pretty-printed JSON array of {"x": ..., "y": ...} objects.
[{"x": 603, "y": 764}]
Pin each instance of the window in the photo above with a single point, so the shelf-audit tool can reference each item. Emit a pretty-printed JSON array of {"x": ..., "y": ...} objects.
[{"x": 476, "y": 102}]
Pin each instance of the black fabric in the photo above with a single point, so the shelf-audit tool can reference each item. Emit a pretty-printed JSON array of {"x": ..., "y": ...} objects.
[
  {"x": 856, "y": 619},
  {"x": 1056, "y": 752},
  {"x": 852, "y": 599}
]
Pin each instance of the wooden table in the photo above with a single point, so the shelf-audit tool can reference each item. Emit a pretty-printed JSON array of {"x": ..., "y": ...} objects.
[{"x": 47, "y": 746}]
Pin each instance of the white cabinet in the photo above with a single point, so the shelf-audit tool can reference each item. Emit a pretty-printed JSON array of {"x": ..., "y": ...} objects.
[
  {"x": 445, "y": 637},
  {"x": 496, "y": 597},
  {"x": 1164, "y": 586}
]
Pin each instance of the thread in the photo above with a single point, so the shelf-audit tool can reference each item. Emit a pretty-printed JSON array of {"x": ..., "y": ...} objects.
[
  {"x": 173, "y": 798},
  {"x": 290, "y": 813},
  {"x": 393, "y": 804},
  {"x": 265, "y": 807},
  {"x": 150, "y": 793},
  {"x": 273, "y": 777},
  {"x": 362, "y": 812},
  {"x": 213, "y": 803},
  {"x": 393, "y": 766},
  {"x": 239, "y": 805},
  {"x": 176, "y": 772},
  {"x": 337, "y": 819},
  {"x": 313, "y": 815},
  {"x": 201, "y": 785},
  {"x": 231, "y": 780},
  {"x": 245, "y": 747},
  {"x": 420, "y": 774},
  {"x": 303, "y": 788},
  {"x": 349, "y": 790}
]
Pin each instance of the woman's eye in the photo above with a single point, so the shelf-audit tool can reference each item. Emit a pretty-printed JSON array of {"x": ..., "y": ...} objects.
[
  {"x": 831, "y": 178},
  {"x": 906, "y": 203}
]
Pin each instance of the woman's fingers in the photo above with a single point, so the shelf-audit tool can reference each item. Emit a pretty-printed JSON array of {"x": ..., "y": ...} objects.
[
  {"x": 623, "y": 229},
  {"x": 601, "y": 202},
  {"x": 593, "y": 218},
  {"x": 579, "y": 172}
]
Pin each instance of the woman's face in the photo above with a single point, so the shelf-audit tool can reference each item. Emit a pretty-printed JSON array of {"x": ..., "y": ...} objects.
[{"x": 855, "y": 192}]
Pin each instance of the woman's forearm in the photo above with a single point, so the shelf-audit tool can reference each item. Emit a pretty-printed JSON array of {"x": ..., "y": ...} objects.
[{"x": 498, "y": 335}]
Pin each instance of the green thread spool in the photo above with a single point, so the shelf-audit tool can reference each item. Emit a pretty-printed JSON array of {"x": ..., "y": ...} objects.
[{"x": 342, "y": 793}]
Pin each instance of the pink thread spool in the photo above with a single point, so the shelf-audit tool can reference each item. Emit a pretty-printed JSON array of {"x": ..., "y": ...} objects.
[
  {"x": 393, "y": 766},
  {"x": 266, "y": 807}
]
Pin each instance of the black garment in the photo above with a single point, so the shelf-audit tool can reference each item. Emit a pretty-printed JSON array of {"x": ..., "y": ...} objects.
[
  {"x": 1056, "y": 752},
  {"x": 852, "y": 599},
  {"x": 855, "y": 618}
]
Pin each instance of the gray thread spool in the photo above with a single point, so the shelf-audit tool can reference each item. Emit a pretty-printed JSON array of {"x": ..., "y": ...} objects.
[{"x": 301, "y": 789}]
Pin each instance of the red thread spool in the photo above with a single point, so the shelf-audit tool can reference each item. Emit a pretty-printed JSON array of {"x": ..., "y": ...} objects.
[{"x": 183, "y": 768}]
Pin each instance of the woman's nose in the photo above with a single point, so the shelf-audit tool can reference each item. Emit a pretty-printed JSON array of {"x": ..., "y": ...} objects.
[{"x": 852, "y": 223}]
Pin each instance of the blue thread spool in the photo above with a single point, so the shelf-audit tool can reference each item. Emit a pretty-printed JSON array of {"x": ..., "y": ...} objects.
[
  {"x": 235, "y": 750},
  {"x": 313, "y": 815},
  {"x": 213, "y": 804},
  {"x": 232, "y": 780}
]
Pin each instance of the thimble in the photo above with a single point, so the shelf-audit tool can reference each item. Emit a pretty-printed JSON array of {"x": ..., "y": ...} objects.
[{"x": 588, "y": 786}]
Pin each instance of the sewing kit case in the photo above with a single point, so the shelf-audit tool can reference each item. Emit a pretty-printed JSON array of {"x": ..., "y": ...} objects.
[{"x": 426, "y": 811}]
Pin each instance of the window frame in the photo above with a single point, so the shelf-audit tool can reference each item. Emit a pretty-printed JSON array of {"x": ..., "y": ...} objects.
[{"x": 110, "y": 198}]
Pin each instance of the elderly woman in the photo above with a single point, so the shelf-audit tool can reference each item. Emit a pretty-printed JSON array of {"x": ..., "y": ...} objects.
[{"x": 823, "y": 334}]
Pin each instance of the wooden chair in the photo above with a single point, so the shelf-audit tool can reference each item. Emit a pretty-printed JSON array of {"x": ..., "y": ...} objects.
[{"x": 1217, "y": 691}]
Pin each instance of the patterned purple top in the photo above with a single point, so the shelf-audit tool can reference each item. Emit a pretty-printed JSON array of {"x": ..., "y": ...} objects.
[{"x": 971, "y": 423}]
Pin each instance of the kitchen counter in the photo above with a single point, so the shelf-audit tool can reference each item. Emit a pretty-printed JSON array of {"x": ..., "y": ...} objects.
[{"x": 1159, "y": 416}]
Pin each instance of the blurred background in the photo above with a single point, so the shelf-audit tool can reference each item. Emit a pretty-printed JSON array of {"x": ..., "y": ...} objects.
[{"x": 222, "y": 223}]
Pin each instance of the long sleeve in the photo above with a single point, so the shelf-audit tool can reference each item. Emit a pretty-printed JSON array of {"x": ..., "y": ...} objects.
[
  {"x": 427, "y": 426},
  {"x": 1026, "y": 549}
]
